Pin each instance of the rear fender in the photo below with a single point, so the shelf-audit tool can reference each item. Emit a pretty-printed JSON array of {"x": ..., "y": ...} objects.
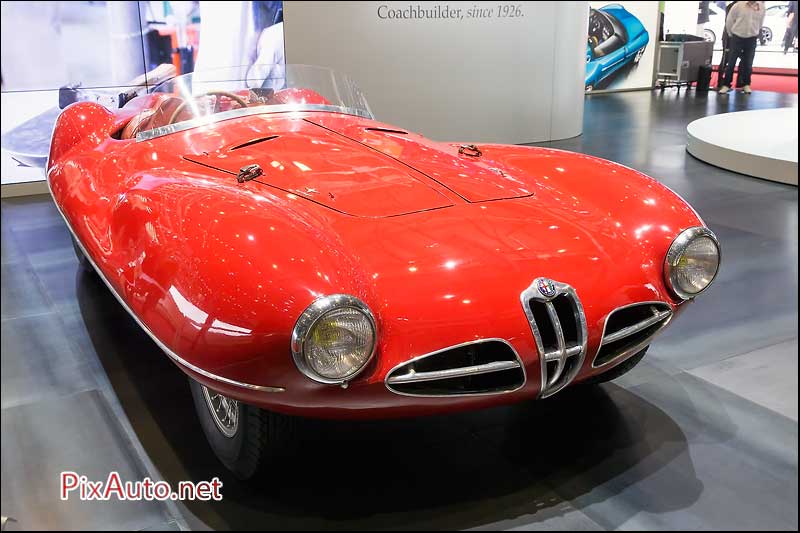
[{"x": 84, "y": 126}]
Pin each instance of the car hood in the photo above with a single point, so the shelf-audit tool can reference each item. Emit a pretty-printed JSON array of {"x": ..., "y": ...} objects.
[
  {"x": 472, "y": 250},
  {"x": 361, "y": 170},
  {"x": 598, "y": 226},
  {"x": 465, "y": 268}
]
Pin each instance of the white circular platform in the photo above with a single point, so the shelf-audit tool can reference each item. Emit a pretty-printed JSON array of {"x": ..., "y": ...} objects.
[{"x": 760, "y": 143}]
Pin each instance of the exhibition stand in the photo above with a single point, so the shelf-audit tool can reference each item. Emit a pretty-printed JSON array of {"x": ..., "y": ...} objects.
[{"x": 761, "y": 143}]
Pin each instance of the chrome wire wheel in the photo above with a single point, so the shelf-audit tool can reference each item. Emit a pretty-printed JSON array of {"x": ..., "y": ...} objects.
[
  {"x": 765, "y": 36},
  {"x": 224, "y": 411}
]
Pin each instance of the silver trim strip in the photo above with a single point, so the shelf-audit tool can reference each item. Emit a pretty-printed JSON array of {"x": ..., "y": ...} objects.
[
  {"x": 636, "y": 347},
  {"x": 175, "y": 357},
  {"x": 245, "y": 112},
  {"x": 459, "y": 395},
  {"x": 561, "y": 355},
  {"x": 675, "y": 252},
  {"x": 635, "y": 328},
  {"x": 466, "y": 371}
]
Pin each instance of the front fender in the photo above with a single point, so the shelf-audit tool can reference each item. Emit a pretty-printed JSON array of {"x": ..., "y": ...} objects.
[
  {"x": 221, "y": 275},
  {"x": 620, "y": 196},
  {"x": 593, "y": 72}
]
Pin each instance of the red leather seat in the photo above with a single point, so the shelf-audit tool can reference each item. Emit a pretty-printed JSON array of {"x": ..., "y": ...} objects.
[
  {"x": 155, "y": 117},
  {"x": 134, "y": 125}
]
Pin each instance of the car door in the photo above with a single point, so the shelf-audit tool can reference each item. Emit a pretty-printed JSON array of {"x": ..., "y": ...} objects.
[{"x": 615, "y": 57}]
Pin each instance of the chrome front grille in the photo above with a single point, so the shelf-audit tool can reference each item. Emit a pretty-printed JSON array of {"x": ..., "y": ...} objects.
[
  {"x": 630, "y": 328},
  {"x": 486, "y": 366},
  {"x": 559, "y": 327}
]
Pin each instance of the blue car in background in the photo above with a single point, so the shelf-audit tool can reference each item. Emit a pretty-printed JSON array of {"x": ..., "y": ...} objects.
[{"x": 616, "y": 38}]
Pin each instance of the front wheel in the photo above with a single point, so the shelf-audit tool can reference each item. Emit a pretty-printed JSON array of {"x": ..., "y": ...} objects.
[
  {"x": 765, "y": 36},
  {"x": 618, "y": 371},
  {"x": 244, "y": 438}
]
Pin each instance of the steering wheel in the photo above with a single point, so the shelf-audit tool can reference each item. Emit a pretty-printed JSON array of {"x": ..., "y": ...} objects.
[{"x": 235, "y": 97}]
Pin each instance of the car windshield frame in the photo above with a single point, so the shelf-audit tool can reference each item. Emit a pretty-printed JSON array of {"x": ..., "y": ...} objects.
[{"x": 266, "y": 89}]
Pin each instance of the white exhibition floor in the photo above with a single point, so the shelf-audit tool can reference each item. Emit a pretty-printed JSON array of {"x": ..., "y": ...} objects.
[{"x": 761, "y": 143}]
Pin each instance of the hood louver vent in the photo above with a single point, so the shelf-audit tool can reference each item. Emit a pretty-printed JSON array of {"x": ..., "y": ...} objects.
[
  {"x": 387, "y": 130},
  {"x": 252, "y": 142}
]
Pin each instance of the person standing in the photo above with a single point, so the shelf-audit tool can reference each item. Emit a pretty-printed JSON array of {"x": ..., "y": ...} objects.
[
  {"x": 791, "y": 26},
  {"x": 743, "y": 26}
]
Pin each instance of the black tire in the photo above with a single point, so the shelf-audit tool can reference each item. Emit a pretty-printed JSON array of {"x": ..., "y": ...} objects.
[
  {"x": 259, "y": 438},
  {"x": 83, "y": 261},
  {"x": 617, "y": 371}
]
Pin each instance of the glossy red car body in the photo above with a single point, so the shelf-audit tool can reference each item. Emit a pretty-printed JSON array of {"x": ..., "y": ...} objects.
[{"x": 439, "y": 245}]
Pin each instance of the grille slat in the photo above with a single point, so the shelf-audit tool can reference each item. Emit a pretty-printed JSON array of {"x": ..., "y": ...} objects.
[
  {"x": 451, "y": 373},
  {"x": 556, "y": 321},
  {"x": 560, "y": 343},
  {"x": 559, "y": 327},
  {"x": 547, "y": 333},
  {"x": 571, "y": 352},
  {"x": 635, "y": 328},
  {"x": 566, "y": 315},
  {"x": 629, "y": 329},
  {"x": 486, "y": 366}
]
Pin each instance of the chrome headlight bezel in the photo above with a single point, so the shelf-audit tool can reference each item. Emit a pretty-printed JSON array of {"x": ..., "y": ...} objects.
[
  {"x": 305, "y": 324},
  {"x": 676, "y": 251}
]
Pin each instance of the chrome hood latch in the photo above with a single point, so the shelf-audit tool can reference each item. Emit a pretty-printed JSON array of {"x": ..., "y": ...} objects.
[
  {"x": 250, "y": 172},
  {"x": 470, "y": 150}
]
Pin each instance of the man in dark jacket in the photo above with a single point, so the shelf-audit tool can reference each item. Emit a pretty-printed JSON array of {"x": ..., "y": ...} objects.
[{"x": 791, "y": 26}]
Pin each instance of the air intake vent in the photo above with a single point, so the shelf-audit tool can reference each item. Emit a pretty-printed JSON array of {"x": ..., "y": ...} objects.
[
  {"x": 559, "y": 327},
  {"x": 631, "y": 328},
  {"x": 387, "y": 130},
  {"x": 487, "y": 366},
  {"x": 252, "y": 142}
]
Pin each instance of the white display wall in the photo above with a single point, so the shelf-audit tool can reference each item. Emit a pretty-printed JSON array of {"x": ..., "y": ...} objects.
[{"x": 476, "y": 71}]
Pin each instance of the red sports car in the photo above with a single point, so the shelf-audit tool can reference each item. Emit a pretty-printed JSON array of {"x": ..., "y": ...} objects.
[{"x": 293, "y": 256}]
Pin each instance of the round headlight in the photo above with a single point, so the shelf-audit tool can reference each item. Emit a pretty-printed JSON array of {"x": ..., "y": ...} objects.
[
  {"x": 692, "y": 262},
  {"x": 334, "y": 339}
]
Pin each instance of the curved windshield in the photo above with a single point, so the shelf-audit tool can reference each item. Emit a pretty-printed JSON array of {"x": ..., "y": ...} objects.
[{"x": 207, "y": 96}]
